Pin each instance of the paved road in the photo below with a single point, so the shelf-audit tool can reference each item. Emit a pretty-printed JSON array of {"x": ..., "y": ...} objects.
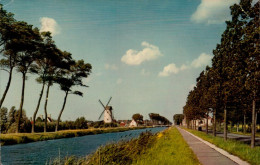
[
  {"x": 205, "y": 154},
  {"x": 243, "y": 138}
]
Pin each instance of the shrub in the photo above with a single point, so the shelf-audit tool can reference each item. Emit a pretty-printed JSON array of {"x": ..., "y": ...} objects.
[{"x": 81, "y": 123}]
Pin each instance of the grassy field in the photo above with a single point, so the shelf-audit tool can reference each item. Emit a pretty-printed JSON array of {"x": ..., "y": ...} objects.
[
  {"x": 9, "y": 139},
  {"x": 170, "y": 148},
  {"x": 234, "y": 147},
  {"x": 167, "y": 147}
]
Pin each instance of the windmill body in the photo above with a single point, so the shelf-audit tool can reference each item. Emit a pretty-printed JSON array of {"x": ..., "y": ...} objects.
[{"x": 108, "y": 116}]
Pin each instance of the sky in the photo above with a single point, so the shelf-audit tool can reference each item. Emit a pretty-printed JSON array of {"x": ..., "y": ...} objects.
[{"x": 145, "y": 54}]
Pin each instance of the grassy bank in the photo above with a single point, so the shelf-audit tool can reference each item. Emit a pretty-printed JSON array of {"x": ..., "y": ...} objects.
[
  {"x": 9, "y": 139},
  {"x": 170, "y": 148},
  {"x": 167, "y": 147},
  {"x": 234, "y": 147}
]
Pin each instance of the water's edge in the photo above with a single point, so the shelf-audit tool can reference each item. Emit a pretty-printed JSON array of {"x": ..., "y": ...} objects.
[
  {"x": 43, "y": 151},
  {"x": 13, "y": 139}
]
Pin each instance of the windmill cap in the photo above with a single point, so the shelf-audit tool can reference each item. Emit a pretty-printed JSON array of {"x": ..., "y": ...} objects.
[{"x": 109, "y": 108}]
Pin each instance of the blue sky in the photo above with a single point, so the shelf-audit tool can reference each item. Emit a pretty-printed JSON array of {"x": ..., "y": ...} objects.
[{"x": 146, "y": 54}]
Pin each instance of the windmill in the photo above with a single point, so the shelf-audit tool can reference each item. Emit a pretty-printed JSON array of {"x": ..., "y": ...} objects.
[{"x": 108, "y": 116}]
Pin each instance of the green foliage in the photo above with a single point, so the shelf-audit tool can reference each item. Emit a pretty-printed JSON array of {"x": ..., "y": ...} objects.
[
  {"x": 81, "y": 123},
  {"x": 138, "y": 118},
  {"x": 29, "y": 51},
  {"x": 3, "y": 119},
  {"x": 178, "y": 118},
  {"x": 157, "y": 119},
  {"x": 232, "y": 83},
  {"x": 39, "y": 119}
]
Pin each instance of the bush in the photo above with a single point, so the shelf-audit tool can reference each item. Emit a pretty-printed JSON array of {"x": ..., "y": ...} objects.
[{"x": 81, "y": 123}]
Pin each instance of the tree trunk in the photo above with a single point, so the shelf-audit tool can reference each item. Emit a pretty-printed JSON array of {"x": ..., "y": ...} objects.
[
  {"x": 244, "y": 127},
  {"x": 225, "y": 123},
  {"x": 195, "y": 124},
  {"x": 7, "y": 87},
  {"x": 237, "y": 127},
  {"x": 253, "y": 122},
  {"x": 214, "y": 122},
  {"x": 37, "y": 108},
  {"x": 63, "y": 106},
  {"x": 21, "y": 105},
  {"x": 45, "y": 106},
  {"x": 256, "y": 122},
  {"x": 207, "y": 122}
]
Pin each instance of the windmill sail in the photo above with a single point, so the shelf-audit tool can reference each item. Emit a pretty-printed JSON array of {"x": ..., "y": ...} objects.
[
  {"x": 101, "y": 115},
  {"x": 108, "y": 115}
]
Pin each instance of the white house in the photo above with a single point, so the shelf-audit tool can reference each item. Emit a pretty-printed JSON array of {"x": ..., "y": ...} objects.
[{"x": 133, "y": 123}]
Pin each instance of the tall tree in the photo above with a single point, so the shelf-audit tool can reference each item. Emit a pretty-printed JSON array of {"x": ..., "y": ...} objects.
[
  {"x": 28, "y": 51},
  {"x": 43, "y": 66},
  {"x": 70, "y": 78},
  {"x": 8, "y": 33}
]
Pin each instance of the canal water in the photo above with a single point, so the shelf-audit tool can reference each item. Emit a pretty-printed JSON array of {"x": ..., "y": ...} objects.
[{"x": 41, "y": 152}]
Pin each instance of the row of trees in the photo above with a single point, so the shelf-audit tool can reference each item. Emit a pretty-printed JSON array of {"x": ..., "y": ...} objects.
[
  {"x": 158, "y": 119},
  {"x": 230, "y": 88},
  {"x": 178, "y": 118},
  {"x": 29, "y": 51},
  {"x": 8, "y": 121}
]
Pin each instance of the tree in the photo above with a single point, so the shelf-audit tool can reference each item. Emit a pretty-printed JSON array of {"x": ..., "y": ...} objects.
[
  {"x": 8, "y": 33},
  {"x": 11, "y": 116},
  {"x": 70, "y": 78},
  {"x": 3, "y": 121},
  {"x": 178, "y": 118},
  {"x": 81, "y": 123},
  {"x": 138, "y": 118},
  {"x": 157, "y": 119},
  {"x": 43, "y": 66},
  {"x": 27, "y": 45}
]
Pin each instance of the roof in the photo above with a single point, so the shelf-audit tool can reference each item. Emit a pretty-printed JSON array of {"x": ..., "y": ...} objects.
[{"x": 109, "y": 108}]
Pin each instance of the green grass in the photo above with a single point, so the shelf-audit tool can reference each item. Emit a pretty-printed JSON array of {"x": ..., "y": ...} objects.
[
  {"x": 244, "y": 151},
  {"x": 165, "y": 148},
  {"x": 116, "y": 153},
  {"x": 17, "y": 138},
  {"x": 170, "y": 148}
]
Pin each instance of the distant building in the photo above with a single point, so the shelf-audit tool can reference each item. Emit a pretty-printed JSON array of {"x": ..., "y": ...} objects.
[
  {"x": 199, "y": 122},
  {"x": 133, "y": 123},
  {"x": 49, "y": 119},
  {"x": 122, "y": 124}
]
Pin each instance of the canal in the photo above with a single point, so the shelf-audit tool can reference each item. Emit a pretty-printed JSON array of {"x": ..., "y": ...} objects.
[{"x": 44, "y": 151}]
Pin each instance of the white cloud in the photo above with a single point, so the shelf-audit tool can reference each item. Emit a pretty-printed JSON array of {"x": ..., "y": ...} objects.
[
  {"x": 49, "y": 24},
  {"x": 169, "y": 69},
  {"x": 184, "y": 67},
  {"x": 119, "y": 81},
  {"x": 134, "y": 57},
  {"x": 111, "y": 67},
  {"x": 202, "y": 60},
  {"x": 213, "y": 11},
  {"x": 145, "y": 73}
]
